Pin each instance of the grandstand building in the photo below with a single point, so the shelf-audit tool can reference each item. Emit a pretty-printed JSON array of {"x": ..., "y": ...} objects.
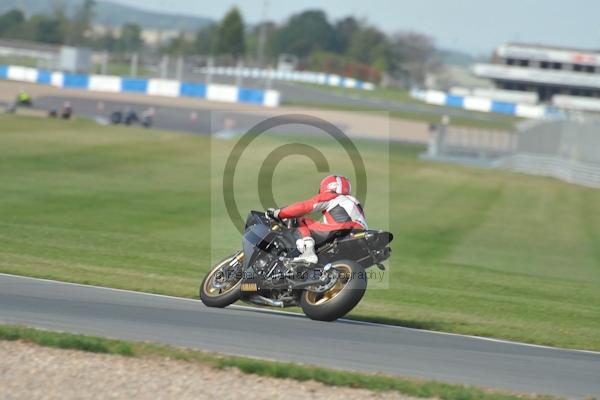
[{"x": 563, "y": 77}]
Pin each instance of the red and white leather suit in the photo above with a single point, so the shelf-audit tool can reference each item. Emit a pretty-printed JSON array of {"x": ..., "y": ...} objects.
[{"x": 340, "y": 210}]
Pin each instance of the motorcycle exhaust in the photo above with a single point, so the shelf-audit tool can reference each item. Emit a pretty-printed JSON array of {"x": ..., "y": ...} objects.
[{"x": 264, "y": 301}]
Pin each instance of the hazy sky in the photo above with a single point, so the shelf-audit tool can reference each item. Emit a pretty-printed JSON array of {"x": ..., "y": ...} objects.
[{"x": 475, "y": 26}]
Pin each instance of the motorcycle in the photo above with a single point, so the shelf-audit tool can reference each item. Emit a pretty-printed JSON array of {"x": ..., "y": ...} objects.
[{"x": 264, "y": 271}]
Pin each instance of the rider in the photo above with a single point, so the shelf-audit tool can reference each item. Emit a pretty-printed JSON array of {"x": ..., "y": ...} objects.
[
  {"x": 23, "y": 98},
  {"x": 342, "y": 213}
]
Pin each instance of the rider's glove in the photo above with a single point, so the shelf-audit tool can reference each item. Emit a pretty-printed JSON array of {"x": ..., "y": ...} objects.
[{"x": 273, "y": 213}]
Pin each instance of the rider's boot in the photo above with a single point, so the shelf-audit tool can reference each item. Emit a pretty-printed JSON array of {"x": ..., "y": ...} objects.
[{"x": 306, "y": 246}]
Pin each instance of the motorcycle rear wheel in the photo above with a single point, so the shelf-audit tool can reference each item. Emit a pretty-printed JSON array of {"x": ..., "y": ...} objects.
[
  {"x": 339, "y": 299},
  {"x": 215, "y": 293}
]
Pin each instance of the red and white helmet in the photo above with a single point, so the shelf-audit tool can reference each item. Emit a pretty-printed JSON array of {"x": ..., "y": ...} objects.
[{"x": 336, "y": 184}]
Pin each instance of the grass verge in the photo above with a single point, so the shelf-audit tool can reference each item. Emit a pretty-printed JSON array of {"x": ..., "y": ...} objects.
[
  {"x": 331, "y": 377},
  {"x": 379, "y": 93},
  {"x": 476, "y": 252}
]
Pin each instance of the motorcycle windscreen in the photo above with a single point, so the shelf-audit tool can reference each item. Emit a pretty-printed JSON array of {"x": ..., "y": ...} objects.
[
  {"x": 256, "y": 217},
  {"x": 256, "y": 238}
]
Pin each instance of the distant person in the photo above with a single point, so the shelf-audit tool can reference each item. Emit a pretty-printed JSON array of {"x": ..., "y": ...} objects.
[
  {"x": 23, "y": 99},
  {"x": 148, "y": 117},
  {"x": 130, "y": 116},
  {"x": 116, "y": 117},
  {"x": 66, "y": 110}
]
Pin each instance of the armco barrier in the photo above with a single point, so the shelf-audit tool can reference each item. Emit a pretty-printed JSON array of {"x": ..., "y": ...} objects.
[
  {"x": 152, "y": 87},
  {"x": 318, "y": 78},
  {"x": 579, "y": 173},
  {"x": 485, "y": 105}
]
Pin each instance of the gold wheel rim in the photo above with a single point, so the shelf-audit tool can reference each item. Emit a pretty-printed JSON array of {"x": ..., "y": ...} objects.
[
  {"x": 317, "y": 299},
  {"x": 213, "y": 291}
]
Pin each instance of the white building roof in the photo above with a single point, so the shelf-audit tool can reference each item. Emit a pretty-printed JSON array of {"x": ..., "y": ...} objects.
[
  {"x": 547, "y": 53},
  {"x": 537, "y": 75}
]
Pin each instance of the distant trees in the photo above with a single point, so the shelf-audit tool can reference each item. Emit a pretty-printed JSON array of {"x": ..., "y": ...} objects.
[
  {"x": 57, "y": 28},
  {"x": 107, "y": 41},
  {"x": 413, "y": 55},
  {"x": 230, "y": 37},
  {"x": 41, "y": 28},
  {"x": 305, "y": 33},
  {"x": 368, "y": 45},
  {"x": 345, "y": 28},
  {"x": 179, "y": 46},
  {"x": 347, "y": 46},
  {"x": 130, "y": 39},
  {"x": 204, "y": 40},
  {"x": 11, "y": 22},
  {"x": 353, "y": 47},
  {"x": 80, "y": 23},
  {"x": 54, "y": 28}
]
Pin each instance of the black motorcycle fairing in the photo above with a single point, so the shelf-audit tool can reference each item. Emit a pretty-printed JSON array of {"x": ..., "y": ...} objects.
[
  {"x": 267, "y": 243},
  {"x": 256, "y": 238},
  {"x": 367, "y": 248},
  {"x": 283, "y": 231},
  {"x": 260, "y": 236},
  {"x": 271, "y": 276},
  {"x": 379, "y": 238}
]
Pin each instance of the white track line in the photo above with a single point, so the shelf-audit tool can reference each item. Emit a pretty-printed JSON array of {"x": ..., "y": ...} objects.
[{"x": 358, "y": 322}]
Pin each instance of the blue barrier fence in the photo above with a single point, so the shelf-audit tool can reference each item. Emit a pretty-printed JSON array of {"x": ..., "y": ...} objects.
[
  {"x": 155, "y": 87},
  {"x": 482, "y": 104}
]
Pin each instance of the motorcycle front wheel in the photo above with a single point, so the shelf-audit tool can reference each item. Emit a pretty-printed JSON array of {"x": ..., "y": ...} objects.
[
  {"x": 341, "y": 298},
  {"x": 221, "y": 285}
]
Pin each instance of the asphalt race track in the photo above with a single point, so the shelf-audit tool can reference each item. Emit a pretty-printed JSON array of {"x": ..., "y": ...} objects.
[
  {"x": 199, "y": 120},
  {"x": 294, "y": 92},
  {"x": 204, "y": 119},
  {"x": 281, "y": 336},
  {"x": 167, "y": 118}
]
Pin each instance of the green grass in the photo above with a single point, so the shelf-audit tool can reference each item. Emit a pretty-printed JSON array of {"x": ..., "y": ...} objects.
[
  {"x": 476, "y": 251},
  {"x": 380, "y": 93},
  {"x": 331, "y": 377},
  {"x": 69, "y": 341}
]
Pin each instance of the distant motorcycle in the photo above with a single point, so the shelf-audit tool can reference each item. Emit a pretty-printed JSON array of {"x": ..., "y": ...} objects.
[
  {"x": 148, "y": 117},
  {"x": 147, "y": 121},
  {"x": 130, "y": 117},
  {"x": 23, "y": 100},
  {"x": 264, "y": 272},
  {"x": 116, "y": 117}
]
